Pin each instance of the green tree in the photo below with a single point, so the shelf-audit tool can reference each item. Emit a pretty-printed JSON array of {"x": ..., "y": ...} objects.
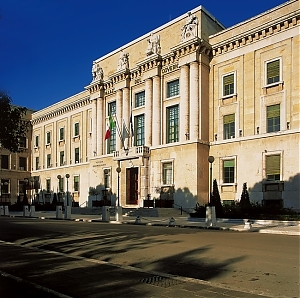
[
  {"x": 215, "y": 199},
  {"x": 13, "y": 126},
  {"x": 245, "y": 200}
]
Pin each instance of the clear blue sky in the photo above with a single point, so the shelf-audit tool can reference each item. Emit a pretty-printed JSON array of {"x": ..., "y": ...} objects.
[{"x": 47, "y": 46}]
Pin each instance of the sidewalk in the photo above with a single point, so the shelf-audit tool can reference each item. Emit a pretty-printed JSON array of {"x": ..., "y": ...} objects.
[{"x": 261, "y": 226}]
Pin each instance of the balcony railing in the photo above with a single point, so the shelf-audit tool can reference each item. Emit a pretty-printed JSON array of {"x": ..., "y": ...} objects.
[{"x": 131, "y": 153}]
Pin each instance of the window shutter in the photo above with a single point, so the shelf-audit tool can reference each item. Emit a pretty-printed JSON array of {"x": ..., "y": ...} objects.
[
  {"x": 273, "y": 69},
  {"x": 227, "y": 80},
  {"x": 273, "y": 164},
  {"x": 228, "y": 163},
  {"x": 273, "y": 111},
  {"x": 229, "y": 119}
]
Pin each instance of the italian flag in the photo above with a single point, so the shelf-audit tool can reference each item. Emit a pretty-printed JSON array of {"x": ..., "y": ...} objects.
[{"x": 110, "y": 126}]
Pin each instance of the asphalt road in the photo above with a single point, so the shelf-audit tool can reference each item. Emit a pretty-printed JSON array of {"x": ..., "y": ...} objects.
[{"x": 53, "y": 253}]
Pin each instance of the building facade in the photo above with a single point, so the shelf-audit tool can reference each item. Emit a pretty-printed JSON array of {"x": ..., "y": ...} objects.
[
  {"x": 15, "y": 170},
  {"x": 171, "y": 98}
]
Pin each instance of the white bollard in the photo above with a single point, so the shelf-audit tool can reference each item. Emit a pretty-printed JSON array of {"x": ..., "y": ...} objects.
[
  {"x": 25, "y": 211},
  {"x": 105, "y": 213},
  {"x": 210, "y": 220},
  {"x": 59, "y": 212},
  {"x": 119, "y": 213},
  {"x": 1, "y": 210},
  {"x": 6, "y": 210},
  {"x": 248, "y": 225},
  {"x": 68, "y": 212},
  {"x": 32, "y": 211}
]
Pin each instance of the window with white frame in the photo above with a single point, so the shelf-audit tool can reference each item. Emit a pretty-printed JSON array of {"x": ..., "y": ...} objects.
[
  {"x": 273, "y": 71},
  {"x": 76, "y": 129},
  {"x": 76, "y": 155},
  {"x": 139, "y": 124},
  {"x": 173, "y": 124},
  {"x": 48, "y": 137},
  {"x": 4, "y": 161},
  {"x": 228, "y": 170},
  {"x": 48, "y": 184},
  {"x": 61, "y": 134},
  {"x": 76, "y": 183},
  {"x": 139, "y": 99},
  {"x": 61, "y": 158},
  {"x": 22, "y": 163},
  {"x": 273, "y": 167},
  {"x": 48, "y": 160},
  {"x": 37, "y": 163},
  {"x": 273, "y": 118},
  {"x": 4, "y": 186},
  {"x": 167, "y": 173},
  {"x": 36, "y": 141},
  {"x": 173, "y": 88},
  {"x": 111, "y": 108},
  {"x": 229, "y": 126},
  {"x": 61, "y": 184},
  {"x": 228, "y": 84}
]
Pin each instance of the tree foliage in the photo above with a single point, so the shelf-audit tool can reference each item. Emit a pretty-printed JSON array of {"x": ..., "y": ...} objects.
[
  {"x": 245, "y": 199},
  {"x": 215, "y": 199},
  {"x": 13, "y": 126}
]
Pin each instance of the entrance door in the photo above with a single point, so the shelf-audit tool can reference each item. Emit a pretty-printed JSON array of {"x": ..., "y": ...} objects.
[{"x": 132, "y": 186}]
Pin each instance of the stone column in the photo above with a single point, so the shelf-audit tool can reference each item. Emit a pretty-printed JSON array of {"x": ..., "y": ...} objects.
[
  {"x": 156, "y": 112},
  {"x": 184, "y": 103},
  {"x": 119, "y": 97},
  {"x": 148, "y": 111},
  {"x": 126, "y": 115},
  {"x": 94, "y": 127},
  {"x": 194, "y": 101},
  {"x": 100, "y": 119}
]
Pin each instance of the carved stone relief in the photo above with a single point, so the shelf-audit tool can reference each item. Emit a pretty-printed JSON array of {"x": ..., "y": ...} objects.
[
  {"x": 153, "y": 45},
  {"x": 190, "y": 29},
  {"x": 97, "y": 72}
]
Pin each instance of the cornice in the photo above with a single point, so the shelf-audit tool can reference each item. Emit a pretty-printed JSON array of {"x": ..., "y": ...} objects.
[
  {"x": 62, "y": 110},
  {"x": 266, "y": 30}
]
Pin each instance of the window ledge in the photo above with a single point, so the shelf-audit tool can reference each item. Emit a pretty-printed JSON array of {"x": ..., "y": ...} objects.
[
  {"x": 172, "y": 97},
  {"x": 229, "y": 96},
  {"x": 272, "y": 86}
]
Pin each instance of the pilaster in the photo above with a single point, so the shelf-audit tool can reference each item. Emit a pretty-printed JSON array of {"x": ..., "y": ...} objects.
[
  {"x": 148, "y": 114},
  {"x": 184, "y": 103},
  {"x": 156, "y": 117},
  {"x": 100, "y": 128},
  {"x": 119, "y": 98},
  {"x": 194, "y": 101}
]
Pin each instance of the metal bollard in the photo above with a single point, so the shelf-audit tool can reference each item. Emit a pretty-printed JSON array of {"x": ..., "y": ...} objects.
[
  {"x": 105, "y": 213},
  {"x": 138, "y": 220},
  {"x": 68, "y": 212},
  {"x": 32, "y": 211},
  {"x": 248, "y": 225},
  {"x": 25, "y": 211},
  {"x": 1, "y": 210},
  {"x": 172, "y": 222},
  {"x": 6, "y": 210},
  {"x": 59, "y": 212}
]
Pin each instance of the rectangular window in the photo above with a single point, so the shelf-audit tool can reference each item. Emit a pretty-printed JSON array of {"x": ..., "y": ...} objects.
[
  {"x": 61, "y": 184},
  {"x": 5, "y": 162},
  {"x": 22, "y": 142},
  {"x": 173, "y": 88},
  {"x": 48, "y": 160},
  {"x": 76, "y": 183},
  {"x": 37, "y": 163},
  {"x": 273, "y": 118},
  {"x": 76, "y": 155},
  {"x": 111, "y": 108},
  {"x": 22, "y": 163},
  {"x": 139, "y": 124},
  {"x": 273, "y": 167},
  {"x": 48, "y": 185},
  {"x": 228, "y": 85},
  {"x": 173, "y": 124},
  {"x": 140, "y": 99},
  {"x": 36, "y": 141},
  {"x": 228, "y": 171},
  {"x": 106, "y": 174},
  {"x": 111, "y": 142},
  {"x": 229, "y": 126},
  {"x": 61, "y": 134},
  {"x": 4, "y": 186},
  {"x": 167, "y": 173},
  {"x": 48, "y": 138},
  {"x": 76, "y": 129},
  {"x": 273, "y": 72},
  {"x": 61, "y": 158}
]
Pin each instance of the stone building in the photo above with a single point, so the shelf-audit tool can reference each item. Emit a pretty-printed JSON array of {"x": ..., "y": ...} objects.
[
  {"x": 171, "y": 98},
  {"x": 15, "y": 170}
]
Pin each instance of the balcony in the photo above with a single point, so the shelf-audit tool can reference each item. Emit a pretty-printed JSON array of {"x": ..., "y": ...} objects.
[{"x": 132, "y": 153}]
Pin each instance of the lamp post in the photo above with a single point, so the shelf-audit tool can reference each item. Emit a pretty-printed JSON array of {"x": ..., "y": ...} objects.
[
  {"x": 210, "y": 159},
  {"x": 67, "y": 176},
  {"x": 25, "y": 200},
  {"x": 118, "y": 169}
]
